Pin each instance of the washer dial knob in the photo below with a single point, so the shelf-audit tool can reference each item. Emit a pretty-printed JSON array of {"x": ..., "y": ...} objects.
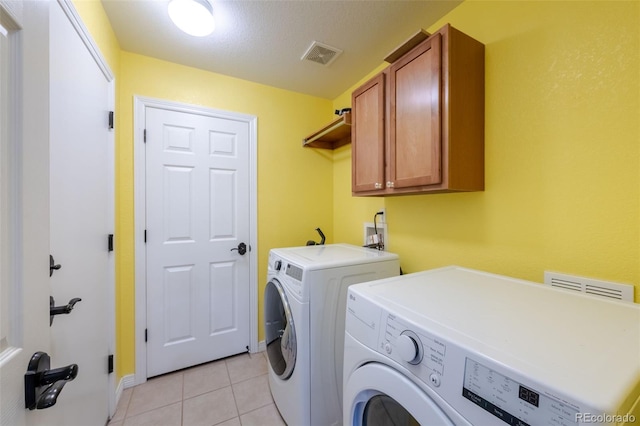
[
  {"x": 277, "y": 265},
  {"x": 409, "y": 347}
]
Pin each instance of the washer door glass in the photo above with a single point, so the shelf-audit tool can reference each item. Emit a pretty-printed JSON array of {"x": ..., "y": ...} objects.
[
  {"x": 280, "y": 334},
  {"x": 384, "y": 410}
]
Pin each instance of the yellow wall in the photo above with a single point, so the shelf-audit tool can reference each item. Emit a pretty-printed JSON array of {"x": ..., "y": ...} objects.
[{"x": 562, "y": 145}]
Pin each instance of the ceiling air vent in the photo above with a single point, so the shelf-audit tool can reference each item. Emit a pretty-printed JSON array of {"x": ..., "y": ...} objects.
[
  {"x": 320, "y": 53},
  {"x": 606, "y": 289}
]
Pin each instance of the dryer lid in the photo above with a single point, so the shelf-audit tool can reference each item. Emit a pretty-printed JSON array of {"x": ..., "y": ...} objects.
[
  {"x": 332, "y": 255},
  {"x": 541, "y": 332}
]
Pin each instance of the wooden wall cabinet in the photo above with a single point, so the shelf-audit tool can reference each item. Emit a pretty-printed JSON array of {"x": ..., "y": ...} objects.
[{"x": 418, "y": 126}]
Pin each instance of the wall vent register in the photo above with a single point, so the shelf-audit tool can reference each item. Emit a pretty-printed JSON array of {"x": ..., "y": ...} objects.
[{"x": 599, "y": 288}]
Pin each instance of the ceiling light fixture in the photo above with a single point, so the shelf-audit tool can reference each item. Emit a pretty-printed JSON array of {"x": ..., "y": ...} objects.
[{"x": 194, "y": 17}]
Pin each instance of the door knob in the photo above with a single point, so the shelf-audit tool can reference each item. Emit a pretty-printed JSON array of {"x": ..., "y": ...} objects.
[
  {"x": 42, "y": 386},
  {"x": 58, "y": 310},
  {"x": 242, "y": 248}
]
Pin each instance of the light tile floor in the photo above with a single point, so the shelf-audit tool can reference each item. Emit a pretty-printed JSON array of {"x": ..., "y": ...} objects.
[{"x": 228, "y": 392}]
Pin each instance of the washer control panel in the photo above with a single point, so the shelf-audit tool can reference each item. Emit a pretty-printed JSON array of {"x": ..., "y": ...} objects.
[
  {"x": 294, "y": 271},
  {"x": 422, "y": 353},
  {"x": 288, "y": 274},
  {"x": 511, "y": 401}
]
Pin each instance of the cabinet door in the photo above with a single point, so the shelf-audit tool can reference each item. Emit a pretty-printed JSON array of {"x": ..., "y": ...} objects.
[
  {"x": 367, "y": 136},
  {"x": 415, "y": 128}
]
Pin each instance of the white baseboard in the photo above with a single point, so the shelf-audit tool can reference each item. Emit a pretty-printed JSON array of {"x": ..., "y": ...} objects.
[
  {"x": 128, "y": 381},
  {"x": 119, "y": 390},
  {"x": 262, "y": 346},
  {"x": 125, "y": 382}
]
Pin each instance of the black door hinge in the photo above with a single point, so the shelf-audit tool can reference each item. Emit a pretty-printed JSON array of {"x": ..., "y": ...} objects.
[
  {"x": 110, "y": 364},
  {"x": 144, "y": 135},
  {"x": 110, "y": 119},
  {"x": 145, "y": 235},
  {"x": 110, "y": 242},
  {"x": 146, "y": 335}
]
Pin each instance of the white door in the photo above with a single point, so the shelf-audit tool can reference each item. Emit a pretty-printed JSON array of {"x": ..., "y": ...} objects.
[
  {"x": 30, "y": 101},
  {"x": 24, "y": 202},
  {"x": 197, "y": 215},
  {"x": 79, "y": 220}
]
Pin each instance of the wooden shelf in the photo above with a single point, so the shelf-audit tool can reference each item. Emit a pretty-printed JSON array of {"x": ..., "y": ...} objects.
[{"x": 332, "y": 136}]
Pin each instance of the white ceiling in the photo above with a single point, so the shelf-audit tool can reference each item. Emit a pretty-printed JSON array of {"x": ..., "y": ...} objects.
[{"x": 263, "y": 40}]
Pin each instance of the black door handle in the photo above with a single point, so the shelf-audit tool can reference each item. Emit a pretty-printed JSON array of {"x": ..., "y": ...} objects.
[
  {"x": 58, "y": 310},
  {"x": 53, "y": 266},
  {"x": 242, "y": 248},
  {"x": 42, "y": 386}
]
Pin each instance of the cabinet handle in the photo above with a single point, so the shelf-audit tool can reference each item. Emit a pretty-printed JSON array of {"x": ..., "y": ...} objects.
[
  {"x": 390, "y": 184},
  {"x": 378, "y": 185}
]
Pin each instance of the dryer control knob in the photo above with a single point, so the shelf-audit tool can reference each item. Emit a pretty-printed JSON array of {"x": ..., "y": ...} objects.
[
  {"x": 277, "y": 265},
  {"x": 409, "y": 347}
]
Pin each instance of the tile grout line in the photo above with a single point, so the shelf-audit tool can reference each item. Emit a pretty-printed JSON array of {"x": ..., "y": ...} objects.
[
  {"x": 182, "y": 401},
  {"x": 233, "y": 393},
  {"x": 126, "y": 410}
]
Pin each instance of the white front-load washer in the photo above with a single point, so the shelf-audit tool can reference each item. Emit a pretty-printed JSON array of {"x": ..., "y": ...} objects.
[
  {"x": 453, "y": 346},
  {"x": 304, "y": 309}
]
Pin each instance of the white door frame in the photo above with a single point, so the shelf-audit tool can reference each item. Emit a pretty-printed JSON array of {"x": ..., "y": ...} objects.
[
  {"x": 76, "y": 21},
  {"x": 139, "y": 114}
]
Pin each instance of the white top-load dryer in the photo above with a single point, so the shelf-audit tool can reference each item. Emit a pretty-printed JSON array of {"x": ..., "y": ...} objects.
[
  {"x": 453, "y": 346},
  {"x": 304, "y": 305}
]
